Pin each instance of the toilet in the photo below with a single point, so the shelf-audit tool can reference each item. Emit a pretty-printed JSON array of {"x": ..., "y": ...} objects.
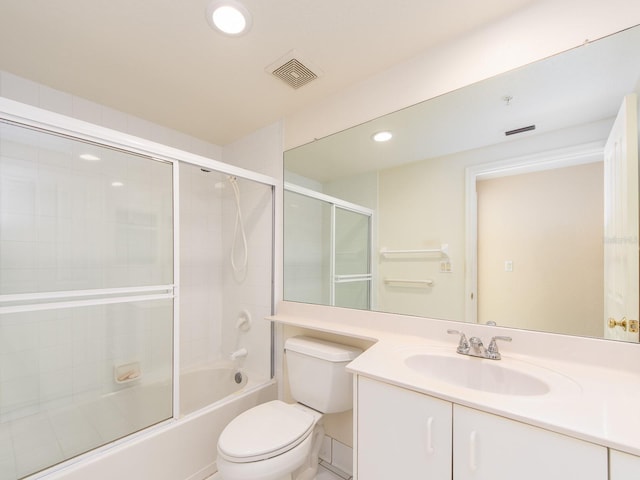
[{"x": 281, "y": 441}]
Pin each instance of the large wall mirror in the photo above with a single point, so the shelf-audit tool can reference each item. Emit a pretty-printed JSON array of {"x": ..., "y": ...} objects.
[{"x": 513, "y": 200}]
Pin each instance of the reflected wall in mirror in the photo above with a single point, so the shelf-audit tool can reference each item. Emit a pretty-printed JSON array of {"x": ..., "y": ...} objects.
[{"x": 513, "y": 200}]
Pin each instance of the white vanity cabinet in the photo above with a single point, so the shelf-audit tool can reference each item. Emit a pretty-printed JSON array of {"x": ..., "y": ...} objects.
[
  {"x": 401, "y": 433},
  {"x": 489, "y": 447},
  {"x": 623, "y": 466},
  {"x": 405, "y": 434}
]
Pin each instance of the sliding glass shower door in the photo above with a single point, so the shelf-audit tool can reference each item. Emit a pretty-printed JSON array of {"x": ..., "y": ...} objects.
[
  {"x": 351, "y": 258},
  {"x": 327, "y": 255},
  {"x": 86, "y": 296}
]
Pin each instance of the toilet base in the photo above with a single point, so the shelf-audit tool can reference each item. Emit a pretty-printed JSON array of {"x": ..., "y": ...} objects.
[{"x": 309, "y": 470}]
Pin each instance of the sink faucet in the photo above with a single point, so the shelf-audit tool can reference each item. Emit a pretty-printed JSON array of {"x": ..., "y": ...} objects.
[
  {"x": 475, "y": 348},
  {"x": 463, "y": 345},
  {"x": 492, "y": 350},
  {"x": 478, "y": 347}
]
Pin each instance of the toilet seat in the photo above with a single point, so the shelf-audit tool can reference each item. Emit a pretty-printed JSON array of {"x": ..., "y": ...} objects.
[{"x": 265, "y": 431}]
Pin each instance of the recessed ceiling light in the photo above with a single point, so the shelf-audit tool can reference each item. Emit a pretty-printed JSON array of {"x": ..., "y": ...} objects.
[
  {"x": 89, "y": 157},
  {"x": 382, "y": 136},
  {"x": 229, "y": 17},
  {"x": 117, "y": 184}
]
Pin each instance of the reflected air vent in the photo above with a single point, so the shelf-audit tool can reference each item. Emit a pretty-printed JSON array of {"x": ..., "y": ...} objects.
[
  {"x": 520, "y": 130},
  {"x": 293, "y": 70}
]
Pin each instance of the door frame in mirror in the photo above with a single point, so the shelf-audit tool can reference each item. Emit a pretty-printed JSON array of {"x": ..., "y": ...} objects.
[{"x": 565, "y": 157}]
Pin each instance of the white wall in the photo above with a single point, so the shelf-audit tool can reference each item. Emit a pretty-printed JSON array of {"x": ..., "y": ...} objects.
[
  {"x": 556, "y": 283},
  {"x": 260, "y": 151},
  {"x": 25, "y": 91}
]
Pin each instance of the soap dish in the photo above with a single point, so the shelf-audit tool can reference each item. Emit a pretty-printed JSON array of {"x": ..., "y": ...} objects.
[{"x": 127, "y": 372}]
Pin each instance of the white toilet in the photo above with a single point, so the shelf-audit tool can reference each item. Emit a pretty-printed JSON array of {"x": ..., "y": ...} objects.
[{"x": 278, "y": 441}]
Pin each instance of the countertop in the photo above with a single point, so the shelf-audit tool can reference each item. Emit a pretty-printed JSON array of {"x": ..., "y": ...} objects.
[{"x": 588, "y": 401}]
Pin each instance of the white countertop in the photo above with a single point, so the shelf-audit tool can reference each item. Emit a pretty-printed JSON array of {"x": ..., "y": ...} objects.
[{"x": 587, "y": 401}]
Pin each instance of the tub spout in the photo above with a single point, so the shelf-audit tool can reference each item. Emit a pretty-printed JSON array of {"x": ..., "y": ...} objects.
[{"x": 240, "y": 353}]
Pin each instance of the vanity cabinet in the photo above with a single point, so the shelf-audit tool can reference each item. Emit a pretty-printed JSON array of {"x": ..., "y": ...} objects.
[
  {"x": 623, "y": 466},
  {"x": 401, "y": 433},
  {"x": 405, "y": 434},
  {"x": 489, "y": 447}
]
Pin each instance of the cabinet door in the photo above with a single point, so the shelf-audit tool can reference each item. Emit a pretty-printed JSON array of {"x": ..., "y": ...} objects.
[
  {"x": 401, "y": 434},
  {"x": 488, "y": 447},
  {"x": 623, "y": 466}
]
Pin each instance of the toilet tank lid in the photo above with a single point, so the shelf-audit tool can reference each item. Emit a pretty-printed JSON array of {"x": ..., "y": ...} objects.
[{"x": 323, "y": 349}]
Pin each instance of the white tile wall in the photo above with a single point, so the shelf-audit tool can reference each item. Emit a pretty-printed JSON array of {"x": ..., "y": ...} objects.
[
  {"x": 212, "y": 297},
  {"x": 342, "y": 457},
  {"x": 200, "y": 242},
  {"x": 249, "y": 290},
  {"x": 337, "y": 457},
  {"x": 53, "y": 358}
]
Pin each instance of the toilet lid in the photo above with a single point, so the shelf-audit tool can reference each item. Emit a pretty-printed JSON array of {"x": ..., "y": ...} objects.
[{"x": 264, "y": 431}]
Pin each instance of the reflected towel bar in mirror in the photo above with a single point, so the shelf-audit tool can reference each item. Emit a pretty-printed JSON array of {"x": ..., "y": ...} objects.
[
  {"x": 443, "y": 250},
  {"x": 416, "y": 283}
]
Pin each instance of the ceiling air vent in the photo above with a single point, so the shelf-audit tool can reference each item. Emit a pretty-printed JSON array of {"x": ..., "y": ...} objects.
[{"x": 293, "y": 70}]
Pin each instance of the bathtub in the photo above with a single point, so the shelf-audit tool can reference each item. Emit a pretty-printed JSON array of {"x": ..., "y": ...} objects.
[
  {"x": 178, "y": 449},
  {"x": 207, "y": 385}
]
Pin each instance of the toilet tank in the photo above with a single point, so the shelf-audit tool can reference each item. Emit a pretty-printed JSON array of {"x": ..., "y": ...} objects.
[{"x": 317, "y": 374}]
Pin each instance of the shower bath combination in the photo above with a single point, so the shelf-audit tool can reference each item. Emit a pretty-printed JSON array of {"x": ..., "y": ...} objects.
[{"x": 90, "y": 324}]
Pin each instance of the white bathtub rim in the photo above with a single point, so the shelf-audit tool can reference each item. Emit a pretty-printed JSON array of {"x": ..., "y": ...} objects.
[
  {"x": 60, "y": 470},
  {"x": 251, "y": 387}
]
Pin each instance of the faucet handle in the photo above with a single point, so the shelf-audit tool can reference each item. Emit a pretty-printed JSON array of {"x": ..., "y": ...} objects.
[
  {"x": 492, "y": 349},
  {"x": 463, "y": 345}
]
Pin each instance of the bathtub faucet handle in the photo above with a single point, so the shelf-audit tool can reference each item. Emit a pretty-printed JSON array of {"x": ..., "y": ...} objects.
[{"x": 240, "y": 353}]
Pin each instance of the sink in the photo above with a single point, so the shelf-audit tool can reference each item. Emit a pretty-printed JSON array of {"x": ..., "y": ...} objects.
[{"x": 494, "y": 376}]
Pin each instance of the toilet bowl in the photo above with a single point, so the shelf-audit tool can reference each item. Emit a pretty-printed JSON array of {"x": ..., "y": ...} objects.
[
  {"x": 277, "y": 440},
  {"x": 270, "y": 442}
]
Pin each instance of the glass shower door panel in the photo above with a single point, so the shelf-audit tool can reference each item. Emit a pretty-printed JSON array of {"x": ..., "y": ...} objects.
[
  {"x": 86, "y": 296},
  {"x": 78, "y": 216},
  {"x": 352, "y": 278},
  {"x": 307, "y": 258},
  {"x": 73, "y": 379},
  {"x": 354, "y": 294}
]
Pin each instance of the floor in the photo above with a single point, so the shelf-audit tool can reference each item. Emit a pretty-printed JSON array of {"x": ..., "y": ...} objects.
[{"x": 323, "y": 474}]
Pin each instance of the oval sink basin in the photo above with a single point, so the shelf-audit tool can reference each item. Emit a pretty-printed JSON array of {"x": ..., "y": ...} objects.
[{"x": 477, "y": 374}]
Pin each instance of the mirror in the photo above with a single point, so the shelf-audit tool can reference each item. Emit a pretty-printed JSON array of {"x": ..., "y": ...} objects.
[{"x": 488, "y": 204}]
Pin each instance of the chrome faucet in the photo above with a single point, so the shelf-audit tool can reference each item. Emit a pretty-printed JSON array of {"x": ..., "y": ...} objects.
[
  {"x": 463, "y": 345},
  {"x": 475, "y": 348},
  {"x": 478, "y": 347}
]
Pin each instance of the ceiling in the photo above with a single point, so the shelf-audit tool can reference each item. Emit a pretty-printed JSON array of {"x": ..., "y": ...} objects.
[{"x": 159, "y": 59}]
